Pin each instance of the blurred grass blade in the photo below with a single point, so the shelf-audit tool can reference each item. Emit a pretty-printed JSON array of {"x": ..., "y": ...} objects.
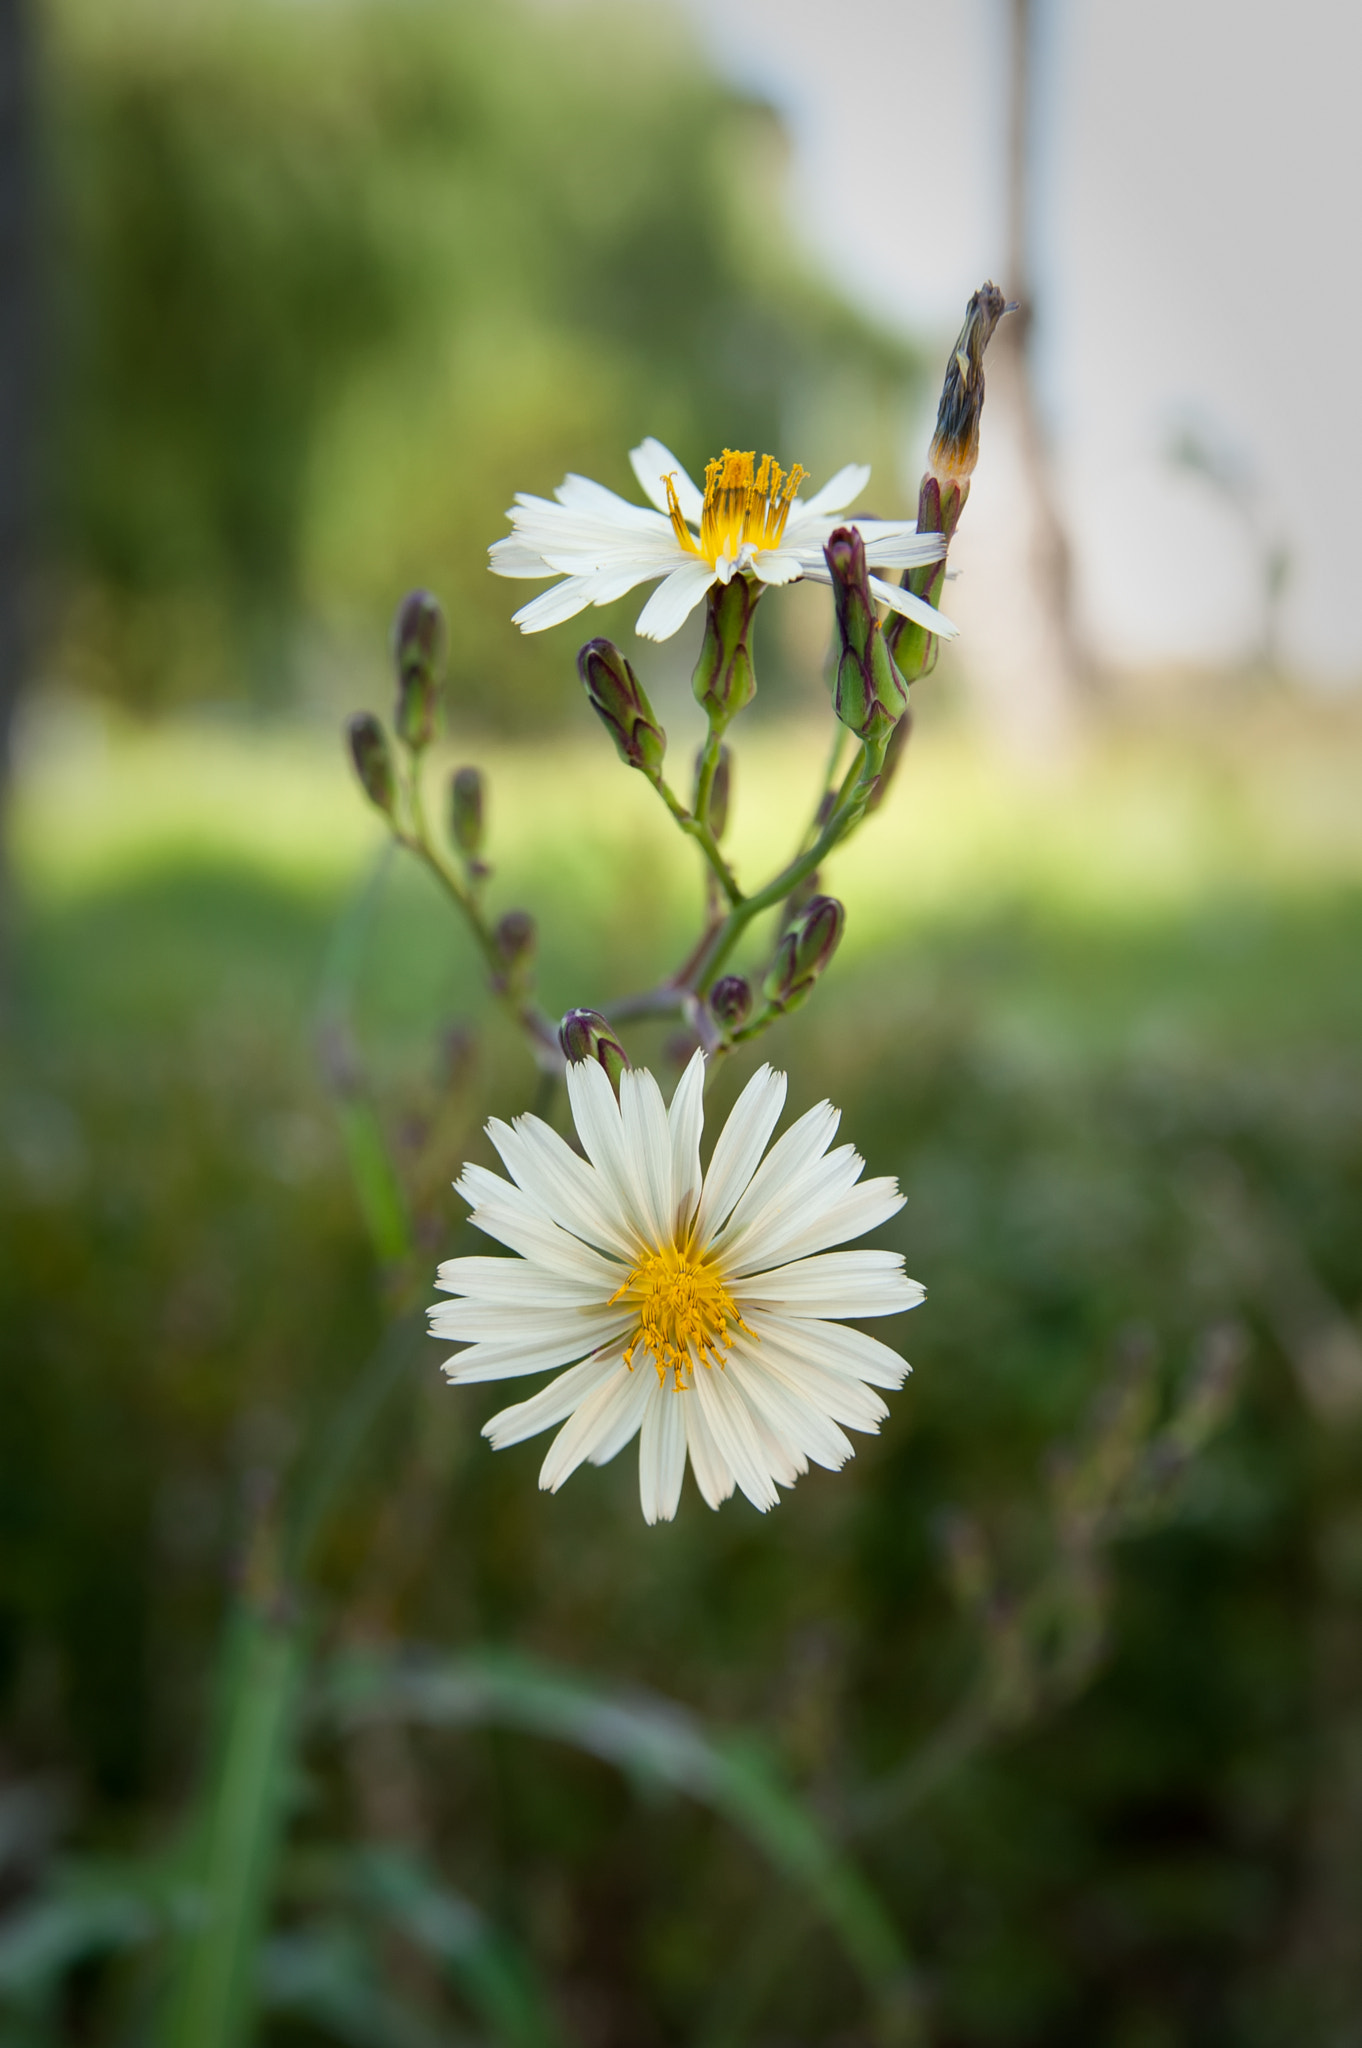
[
  {"x": 654, "y": 1741},
  {"x": 494, "y": 1975},
  {"x": 211, "y": 1997}
]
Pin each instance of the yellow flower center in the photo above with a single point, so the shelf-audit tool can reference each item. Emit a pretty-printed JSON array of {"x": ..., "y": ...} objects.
[
  {"x": 686, "y": 1316},
  {"x": 746, "y": 503}
]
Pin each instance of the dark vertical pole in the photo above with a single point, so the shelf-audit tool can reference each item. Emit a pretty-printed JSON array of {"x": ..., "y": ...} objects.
[{"x": 18, "y": 397}]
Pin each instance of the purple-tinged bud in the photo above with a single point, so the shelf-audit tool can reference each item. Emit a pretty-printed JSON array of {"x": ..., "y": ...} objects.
[
  {"x": 467, "y": 810},
  {"x": 955, "y": 444},
  {"x": 372, "y": 756},
  {"x": 889, "y": 767},
  {"x": 586, "y": 1035},
  {"x": 803, "y": 952},
  {"x": 720, "y": 789},
  {"x": 516, "y": 935},
  {"x": 724, "y": 681},
  {"x": 871, "y": 694},
  {"x": 620, "y": 702},
  {"x": 418, "y": 651},
  {"x": 730, "y": 1001}
]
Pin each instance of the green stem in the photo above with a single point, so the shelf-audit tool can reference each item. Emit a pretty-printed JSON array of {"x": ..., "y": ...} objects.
[
  {"x": 847, "y": 813},
  {"x": 694, "y": 824},
  {"x": 709, "y": 763},
  {"x": 537, "y": 1027}
]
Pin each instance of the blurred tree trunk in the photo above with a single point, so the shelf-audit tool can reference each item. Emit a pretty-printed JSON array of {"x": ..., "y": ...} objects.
[
  {"x": 1027, "y": 655},
  {"x": 18, "y": 397}
]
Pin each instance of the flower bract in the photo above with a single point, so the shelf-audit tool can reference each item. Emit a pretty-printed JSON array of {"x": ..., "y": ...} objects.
[
  {"x": 700, "y": 1312},
  {"x": 747, "y": 521}
]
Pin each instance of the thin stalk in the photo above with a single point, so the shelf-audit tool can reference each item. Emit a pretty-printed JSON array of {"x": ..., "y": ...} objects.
[
  {"x": 695, "y": 825},
  {"x": 537, "y": 1027}
]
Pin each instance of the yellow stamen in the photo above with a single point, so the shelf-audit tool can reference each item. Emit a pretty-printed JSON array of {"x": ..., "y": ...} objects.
[
  {"x": 745, "y": 505},
  {"x": 686, "y": 1316}
]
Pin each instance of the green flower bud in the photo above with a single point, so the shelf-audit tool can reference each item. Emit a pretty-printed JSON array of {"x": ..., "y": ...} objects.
[
  {"x": 418, "y": 650},
  {"x": 955, "y": 444},
  {"x": 372, "y": 756},
  {"x": 720, "y": 790},
  {"x": 619, "y": 701},
  {"x": 516, "y": 935},
  {"x": 804, "y": 950},
  {"x": 730, "y": 1001},
  {"x": 871, "y": 694},
  {"x": 467, "y": 818},
  {"x": 585, "y": 1035},
  {"x": 724, "y": 680}
]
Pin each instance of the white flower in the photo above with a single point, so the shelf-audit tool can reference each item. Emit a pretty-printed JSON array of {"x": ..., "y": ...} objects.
[
  {"x": 700, "y": 1306},
  {"x": 747, "y": 521}
]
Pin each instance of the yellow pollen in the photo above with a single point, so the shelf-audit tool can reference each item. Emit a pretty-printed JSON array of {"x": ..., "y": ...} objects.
[
  {"x": 746, "y": 503},
  {"x": 686, "y": 1316}
]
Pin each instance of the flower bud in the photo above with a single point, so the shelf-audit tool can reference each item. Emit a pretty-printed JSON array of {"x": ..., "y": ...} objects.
[
  {"x": 585, "y": 1035},
  {"x": 720, "y": 789},
  {"x": 418, "y": 650},
  {"x": 955, "y": 444},
  {"x": 804, "y": 950},
  {"x": 724, "y": 680},
  {"x": 620, "y": 702},
  {"x": 372, "y": 756},
  {"x": 730, "y": 1001},
  {"x": 515, "y": 936},
  {"x": 871, "y": 694},
  {"x": 467, "y": 818}
]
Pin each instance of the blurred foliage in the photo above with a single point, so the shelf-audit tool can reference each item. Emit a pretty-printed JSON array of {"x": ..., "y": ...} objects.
[
  {"x": 1108, "y": 1795},
  {"x": 332, "y": 282}
]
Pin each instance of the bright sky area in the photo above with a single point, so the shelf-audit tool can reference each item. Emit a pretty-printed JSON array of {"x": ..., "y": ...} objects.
[{"x": 1198, "y": 178}]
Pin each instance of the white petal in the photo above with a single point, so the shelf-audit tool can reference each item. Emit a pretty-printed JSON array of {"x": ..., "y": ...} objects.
[
  {"x": 672, "y": 603},
  {"x": 518, "y": 1283},
  {"x": 917, "y": 608},
  {"x": 552, "y": 607},
  {"x": 736, "y": 1439},
  {"x": 741, "y": 1143},
  {"x": 504, "y": 1350},
  {"x": 552, "y": 1404},
  {"x": 513, "y": 557},
  {"x": 596, "y": 1115},
  {"x": 798, "y": 1367},
  {"x": 836, "y": 493},
  {"x": 776, "y": 565},
  {"x": 685, "y": 1120},
  {"x": 662, "y": 1454},
  {"x": 806, "y": 1140},
  {"x": 593, "y": 1424},
  {"x": 840, "y": 1349},
  {"x": 788, "y": 1211},
  {"x": 604, "y": 506},
  {"x": 799, "y": 1423},
  {"x": 626, "y": 1416},
  {"x": 855, "y": 1284},
  {"x": 712, "y": 1473},
  {"x": 651, "y": 462},
  {"x": 506, "y": 1213},
  {"x": 902, "y": 548},
  {"x": 819, "y": 1224},
  {"x": 648, "y": 1148},
  {"x": 568, "y": 1191}
]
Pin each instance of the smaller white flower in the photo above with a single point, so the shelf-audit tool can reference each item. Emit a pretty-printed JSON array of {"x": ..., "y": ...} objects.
[
  {"x": 699, "y": 1311},
  {"x": 746, "y": 522}
]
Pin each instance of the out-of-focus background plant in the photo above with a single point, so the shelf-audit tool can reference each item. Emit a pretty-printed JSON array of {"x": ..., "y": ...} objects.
[{"x": 1040, "y": 1722}]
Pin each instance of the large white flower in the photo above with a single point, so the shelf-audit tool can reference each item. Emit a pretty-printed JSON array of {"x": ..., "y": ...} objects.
[
  {"x": 747, "y": 521},
  {"x": 698, "y": 1309}
]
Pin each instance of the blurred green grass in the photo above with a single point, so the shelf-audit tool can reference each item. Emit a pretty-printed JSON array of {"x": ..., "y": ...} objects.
[{"x": 1105, "y": 1027}]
